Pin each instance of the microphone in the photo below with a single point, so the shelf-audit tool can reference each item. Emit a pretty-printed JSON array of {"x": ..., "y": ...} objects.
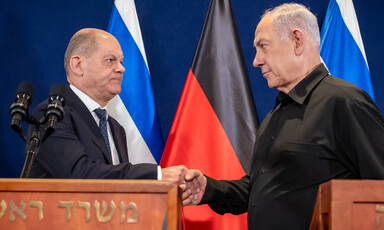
[
  {"x": 19, "y": 109},
  {"x": 55, "y": 112}
]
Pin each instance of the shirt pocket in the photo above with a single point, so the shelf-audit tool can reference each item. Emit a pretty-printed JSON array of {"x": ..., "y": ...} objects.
[
  {"x": 308, "y": 149},
  {"x": 304, "y": 164}
]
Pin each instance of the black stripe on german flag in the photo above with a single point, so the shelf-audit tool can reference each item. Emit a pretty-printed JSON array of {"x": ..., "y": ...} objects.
[{"x": 220, "y": 69}]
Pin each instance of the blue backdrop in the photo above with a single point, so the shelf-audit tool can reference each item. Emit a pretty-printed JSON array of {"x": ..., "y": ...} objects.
[{"x": 34, "y": 35}]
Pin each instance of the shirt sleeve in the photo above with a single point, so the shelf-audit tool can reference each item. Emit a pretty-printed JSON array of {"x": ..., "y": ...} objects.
[
  {"x": 227, "y": 196},
  {"x": 364, "y": 140},
  {"x": 159, "y": 174}
]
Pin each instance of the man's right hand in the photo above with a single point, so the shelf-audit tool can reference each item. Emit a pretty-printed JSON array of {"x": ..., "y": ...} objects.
[
  {"x": 174, "y": 174},
  {"x": 194, "y": 187}
]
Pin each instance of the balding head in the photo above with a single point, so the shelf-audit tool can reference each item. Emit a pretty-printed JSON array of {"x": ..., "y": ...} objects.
[
  {"x": 289, "y": 16},
  {"x": 83, "y": 43},
  {"x": 287, "y": 45},
  {"x": 93, "y": 63}
]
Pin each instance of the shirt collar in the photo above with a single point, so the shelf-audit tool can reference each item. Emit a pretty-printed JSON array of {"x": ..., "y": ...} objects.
[
  {"x": 301, "y": 91},
  {"x": 89, "y": 102}
]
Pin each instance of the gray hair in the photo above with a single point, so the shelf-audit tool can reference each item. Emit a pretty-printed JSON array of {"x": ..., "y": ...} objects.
[
  {"x": 288, "y": 16},
  {"x": 83, "y": 43}
]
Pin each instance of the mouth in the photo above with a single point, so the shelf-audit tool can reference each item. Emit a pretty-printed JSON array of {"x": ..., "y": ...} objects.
[
  {"x": 117, "y": 79},
  {"x": 265, "y": 73}
]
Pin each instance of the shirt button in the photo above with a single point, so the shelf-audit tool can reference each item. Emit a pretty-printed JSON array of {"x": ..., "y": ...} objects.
[
  {"x": 273, "y": 138},
  {"x": 254, "y": 204},
  {"x": 264, "y": 171}
]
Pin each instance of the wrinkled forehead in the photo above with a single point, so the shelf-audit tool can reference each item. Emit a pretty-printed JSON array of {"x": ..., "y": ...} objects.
[
  {"x": 106, "y": 38},
  {"x": 265, "y": 24},
  {"x": 109, "y": 43},
  {"x": 265, "y": 29}
]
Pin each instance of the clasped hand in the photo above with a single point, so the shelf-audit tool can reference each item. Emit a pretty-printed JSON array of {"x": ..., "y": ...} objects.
[{"x": 192, "y": 182}]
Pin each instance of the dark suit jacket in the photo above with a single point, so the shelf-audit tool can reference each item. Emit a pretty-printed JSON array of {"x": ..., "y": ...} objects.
[{"x": 77, "y": 149}]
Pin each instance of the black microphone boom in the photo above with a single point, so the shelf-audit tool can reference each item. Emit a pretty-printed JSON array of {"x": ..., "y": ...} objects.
[
  {"x": 19, "y": 109},
  {"x": 55, "y": 112}
]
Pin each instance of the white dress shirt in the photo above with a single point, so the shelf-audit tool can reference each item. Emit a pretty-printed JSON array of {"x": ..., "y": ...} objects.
[{"x": 92, "y": 105}]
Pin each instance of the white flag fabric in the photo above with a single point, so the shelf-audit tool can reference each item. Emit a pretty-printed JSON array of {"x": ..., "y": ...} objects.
[
  {"x": 341, "y": 46},
  {"x": 135, "y": 107}
]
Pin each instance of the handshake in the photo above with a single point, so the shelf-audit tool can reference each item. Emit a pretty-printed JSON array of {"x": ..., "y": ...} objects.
[{"x": 192, "y": 182}]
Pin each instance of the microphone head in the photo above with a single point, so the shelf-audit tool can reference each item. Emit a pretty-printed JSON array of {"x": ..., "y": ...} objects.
[
  {"x": 58, "y": 92},
  {"x": 27, "y": 89},
  {"x": 19, "y": 109}
]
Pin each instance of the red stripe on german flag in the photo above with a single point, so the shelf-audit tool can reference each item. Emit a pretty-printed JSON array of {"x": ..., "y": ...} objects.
[{"x": 214, "y": 129}]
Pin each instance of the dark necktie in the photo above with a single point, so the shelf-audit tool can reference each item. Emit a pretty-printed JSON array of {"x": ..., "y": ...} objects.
[{"x": 102, "y": 114}]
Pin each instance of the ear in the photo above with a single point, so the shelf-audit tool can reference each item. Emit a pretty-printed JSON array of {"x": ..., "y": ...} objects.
[
  {"x": 76, "y": 64},
  {"x": 297, "y": 38}
]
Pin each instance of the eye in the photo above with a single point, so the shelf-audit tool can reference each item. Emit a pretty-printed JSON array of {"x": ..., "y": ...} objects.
[{"x": 262, "y": 45}]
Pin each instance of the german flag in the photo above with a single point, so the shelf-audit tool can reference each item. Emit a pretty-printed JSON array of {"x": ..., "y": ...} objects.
[{"x": 214, "y": 129}]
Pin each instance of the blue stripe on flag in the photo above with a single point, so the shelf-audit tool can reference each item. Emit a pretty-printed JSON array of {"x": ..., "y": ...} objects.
[
  {"x": 136, "y": 93},
  {"x": 340, "y": 52}
]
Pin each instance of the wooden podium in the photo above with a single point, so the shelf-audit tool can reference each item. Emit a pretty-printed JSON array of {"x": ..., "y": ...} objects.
[
  {"x": 89, "y": 204},
  {"x": 349, "y": 205}
]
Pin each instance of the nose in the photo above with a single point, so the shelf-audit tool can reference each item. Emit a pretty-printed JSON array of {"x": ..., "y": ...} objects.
[
  {"x": 259, "y": 60},
  {"x": 120, "y": 68}
]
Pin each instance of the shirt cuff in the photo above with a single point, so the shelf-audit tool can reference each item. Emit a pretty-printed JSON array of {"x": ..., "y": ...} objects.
[{"x": 159, "y": 175}]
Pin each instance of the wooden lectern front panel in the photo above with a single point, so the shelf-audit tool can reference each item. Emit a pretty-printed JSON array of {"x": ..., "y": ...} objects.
[
  {"x": 349, "y": 205},
  {"x": 86, "y": 204}
]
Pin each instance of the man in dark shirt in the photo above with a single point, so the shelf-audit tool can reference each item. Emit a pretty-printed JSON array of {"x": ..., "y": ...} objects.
[{"x": 321, "y": 128}]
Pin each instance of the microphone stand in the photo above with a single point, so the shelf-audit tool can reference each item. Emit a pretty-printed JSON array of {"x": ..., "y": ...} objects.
[
  {"x": 34, "y": 144},
  {"x": 54, "y": 113},
  {"x": 33, "y": 148}
]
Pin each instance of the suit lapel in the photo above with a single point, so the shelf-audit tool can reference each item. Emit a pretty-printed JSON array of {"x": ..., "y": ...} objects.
[
  {"x": 77, "y": 106},
  {"x": 119, "y": 138}
]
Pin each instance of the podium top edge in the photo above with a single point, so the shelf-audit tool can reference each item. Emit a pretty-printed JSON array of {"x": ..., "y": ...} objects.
[{"x": 85, "y": 185}]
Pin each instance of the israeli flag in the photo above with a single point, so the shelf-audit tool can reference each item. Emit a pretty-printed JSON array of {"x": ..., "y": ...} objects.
[
  {"x": 341, "y": 46},
  {"x": 135, "y": 108}
]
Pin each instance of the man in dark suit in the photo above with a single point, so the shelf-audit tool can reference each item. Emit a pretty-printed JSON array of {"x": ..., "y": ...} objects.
[
  {"x": 321, "y": 128},
  {"x": 88, "y": 143}
]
